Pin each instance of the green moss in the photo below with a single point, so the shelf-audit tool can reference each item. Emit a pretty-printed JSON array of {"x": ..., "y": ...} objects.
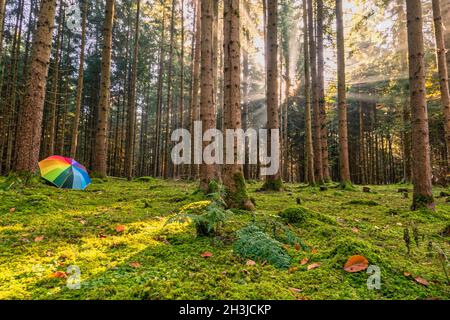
[
  {"x": 362, "y": 202},
  {"x": 295, "y": 214},
  {"x": 171, "y": 265}
]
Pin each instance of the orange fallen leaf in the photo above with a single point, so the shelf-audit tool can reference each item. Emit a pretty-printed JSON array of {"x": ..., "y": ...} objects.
[
  {"x": 101, "y": 236},
  {"x": 356, "y": 263},
  {"x": 313, "y": 266},
  {"x": 314, "y": 251},
  {"x": 250, "y": 263},
  {"x": 422, "y": 281},
  {"x": 292, "y": 269},
  {"x": 206, "y": 254},
  {"x": 135, "y": 264},
  {"x": 12, "y": 210},
  {"x": 304, "y": 261},
  {"x": 355, "y": 230},
  {"x": 120, "y": 228},
  {"x": 297, "y": 246},
  {"x": 286, "y": 246},
  {"x": 59, "y": 274},
  {"x": 406, "y": 274},
  {"x": 39, "y": 239}
]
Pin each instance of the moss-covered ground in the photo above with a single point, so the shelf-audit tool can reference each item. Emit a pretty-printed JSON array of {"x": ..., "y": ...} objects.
[{"x": 44, "y": 230}]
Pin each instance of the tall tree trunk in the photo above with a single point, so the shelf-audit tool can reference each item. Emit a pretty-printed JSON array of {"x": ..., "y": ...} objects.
[
  {"x": 129, "y": 163},
  {"x": 157, "y": 159},
  {"x": 169, "y": 102},
  {"x": 195, "y": 103},
  {"x": 30, "y": 119},
  {"x": 235, "y": 189},
  {"x": 207, "y": 114},
  {"x": 443, "y": 74},
  {"x": 310, "y": 178},
  {"x": 317, "y": 129},
  {"x": 245, "y": 93},
  {"x": 362, "y": 158},
  {"x": 321, "y": 93},
  {"x": 101, "y": 146},
  {"x": 273, "y": 182},
  {"x": 342, "y": 99},
  {"x": 2, "y": 20},
  {"x": 179, "y": 169},
  {"x": 80, "y": 84},
  {"x": 55, "y": 84},
  {"x": 423, "y": 196}
]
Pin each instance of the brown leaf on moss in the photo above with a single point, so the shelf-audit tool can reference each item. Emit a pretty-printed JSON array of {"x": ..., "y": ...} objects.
[
  {"x": 38, "y": 238},
  {"x": 206, "y": 254},
  {"x": 304, "y": 261},
  {"x": 250, "y": 263},
  {"x": 135, "y": 264},
  {"x": 59, "y": 274},
  {"x": 120, "y": 228},
  {"x": 313, "y": 266},
  {"x": 422, "y": 281},
  {"x": 356, "y": 263}
]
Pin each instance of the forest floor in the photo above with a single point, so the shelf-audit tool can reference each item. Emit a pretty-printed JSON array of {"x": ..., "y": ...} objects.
[{"x": 116, "y": 233}]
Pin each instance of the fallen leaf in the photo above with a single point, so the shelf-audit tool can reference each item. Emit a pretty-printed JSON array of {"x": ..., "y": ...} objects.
[
  {"x": 286, "y": 246},
  {"x": 12, "y": 210},
  {"x": 120, "y": 228},
  {"x": 356, "y": 263},
  {"x": 422, "y": 281},
  {"x": 304, "y": 261},
  {"x": 313, "y": 266},
  {"x": 399, "y": 224},
  {"x": 83, "y": 222},
  {"x": 250, "y": 263},
  {"x": 355, "y": 230},
  {"x": 135, "y": 264},
  {"x": 406, "y": 274},
  {"x": 292, "y": 269},
  {"x": 206, "y": 254},
  {"x": 101, "y": 236},
  {"x": 297, "y": 246},
  {"x": 39, "y": 239},
  {"x": 314, "y": 251},
  {"x": 295, "y": 290},
  {"x": 59, "y": 274}
]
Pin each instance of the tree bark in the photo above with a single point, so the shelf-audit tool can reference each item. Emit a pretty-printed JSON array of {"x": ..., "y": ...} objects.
[
  {"x": 317, "y": 129},
  {"x": 157, "y": 155},
  {"x": 131, "y": 115},
  {"x": 310, "y": 178},
  {"x": 30, "y": 119},
  {"x": 443, "y": 74},
  {"x": 195, "y": 103},
  {"x": 2, "y": 20},
  {"x": 273, "y": 182},
  {"x": 423, "y": 196},
  {"x": 321, "y": 93},
  {"x": 80, "y": 84},
  {"x": 207, "y": 115},
  {"x": 101, "y": 146},
  {"x": 342, "y": 99},
  {"x": 233, "y": 179}
]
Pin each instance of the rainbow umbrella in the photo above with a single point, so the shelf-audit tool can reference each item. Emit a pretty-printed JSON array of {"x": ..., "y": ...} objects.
[{"x": 64, "y": 173}]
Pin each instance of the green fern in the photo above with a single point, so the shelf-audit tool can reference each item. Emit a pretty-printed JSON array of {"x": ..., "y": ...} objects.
[{"x": 255, "y": 244}]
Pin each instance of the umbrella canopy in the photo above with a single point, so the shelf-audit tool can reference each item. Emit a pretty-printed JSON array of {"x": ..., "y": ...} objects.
[{"x": 64, "y": 173}]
